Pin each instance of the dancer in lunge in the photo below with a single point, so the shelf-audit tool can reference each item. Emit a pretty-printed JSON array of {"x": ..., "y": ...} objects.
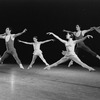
[
  {"x": 69, "y": 53},
  {"x": 9, "y": 40},
  {"x": 79, "y": 34},
  {"x": 37, "y": 52}
]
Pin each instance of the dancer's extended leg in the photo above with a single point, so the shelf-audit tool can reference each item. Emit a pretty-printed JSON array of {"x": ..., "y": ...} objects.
[
  {"x": 86, "y": 48},
  {"x": 77, "y": 60},
  {"x": 42, "y": 58},
  {"x": 33, "y": 61},
  {"x": 63, "y": 59},
  {"x": 14, "y": 53},
  {"x": 5, "y": 55}
]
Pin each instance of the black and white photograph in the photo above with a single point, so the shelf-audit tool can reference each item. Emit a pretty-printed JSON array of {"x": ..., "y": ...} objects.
[{"x": 49, "y": 50}]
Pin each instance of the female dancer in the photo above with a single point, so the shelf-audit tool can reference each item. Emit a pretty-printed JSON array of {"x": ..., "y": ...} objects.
[
  {"x": 69, "y": 53},
  {"x": 37, "y": 51}
]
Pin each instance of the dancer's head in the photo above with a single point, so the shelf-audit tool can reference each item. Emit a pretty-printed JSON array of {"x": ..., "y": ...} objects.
[
  {"x": 35, "y": 39},
  {"x": 78, "y": 27},
  {"x": 69, "y": 35},
  {"x": 8, "y": 30}
]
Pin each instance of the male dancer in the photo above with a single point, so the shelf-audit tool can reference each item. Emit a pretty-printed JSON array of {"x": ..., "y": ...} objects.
[
  {"x": 69, "y": 53},
  {"x": 37, "y": 51},
  {"x": 79, "y": 34},
  {"x": 9, "y": 40}
]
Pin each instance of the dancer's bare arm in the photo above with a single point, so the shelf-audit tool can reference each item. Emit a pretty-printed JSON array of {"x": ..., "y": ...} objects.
[
  {"x": 61, "y": 40},
  {"x": 97, "y": 29},
  {"x": 30, "y": 43},
  {"x": 47, "y": 41},
  {"x": 18, "y": 34},
  {"x": 2, "y": 36},
  {"x": 69, "y": 31},
  {"x": 80, "y": 40},
  {"x": 86, "y": 31}
]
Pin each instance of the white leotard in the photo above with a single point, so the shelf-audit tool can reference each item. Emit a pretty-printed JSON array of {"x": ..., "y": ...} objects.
[
  {"x": 70, "y": 45},
  {"x": 37, "y": 50}
]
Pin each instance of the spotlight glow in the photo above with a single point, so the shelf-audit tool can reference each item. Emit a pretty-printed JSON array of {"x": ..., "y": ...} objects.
[{"x": 12, "y": 82}]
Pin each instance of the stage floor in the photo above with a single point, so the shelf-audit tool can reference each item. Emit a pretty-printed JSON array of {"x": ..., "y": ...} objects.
[{"x": 60, "y": 83}]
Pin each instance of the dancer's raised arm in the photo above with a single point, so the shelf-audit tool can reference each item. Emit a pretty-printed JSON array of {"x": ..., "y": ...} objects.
[
  {"x": 30, "y": 43},
  {"x": 61, "y": 40},
  {"x": 18, "y": 34},
  {"x": 88, "y": 36}
]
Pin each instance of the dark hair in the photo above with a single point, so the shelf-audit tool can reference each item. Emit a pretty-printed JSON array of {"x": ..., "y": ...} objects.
[
  {"x": 35, "y": 37},
  {"x": 71, "y": 34},
  {"x": 10, "y": 28}
]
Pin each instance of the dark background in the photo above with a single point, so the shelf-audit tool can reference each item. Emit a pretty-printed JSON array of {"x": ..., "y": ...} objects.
[{"x": 41, "y": 16}]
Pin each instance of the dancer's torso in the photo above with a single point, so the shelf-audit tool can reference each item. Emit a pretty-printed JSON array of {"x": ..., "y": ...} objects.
[
  {"x": 79, "y": 36},
  {"x": 37, "y": 49},
  {"x": 9, "y": 39},
  {"x": 70, "y": 48}
]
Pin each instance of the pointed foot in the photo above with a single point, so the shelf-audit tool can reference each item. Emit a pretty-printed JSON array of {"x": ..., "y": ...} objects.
[
  {"x": 91, "y": 70},
  {"x": 47, "y": 68},
  {"x": 70, "y": 63},
  {"x": 22, "y": 67},
  {"x": 29, "y": 67}
]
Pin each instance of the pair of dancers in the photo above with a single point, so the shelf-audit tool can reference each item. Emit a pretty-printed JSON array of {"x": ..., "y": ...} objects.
[
  {"x": 70, "y": 46},
  {"x": 10, "y": 49},
  {"x": 79, "y": 34}
]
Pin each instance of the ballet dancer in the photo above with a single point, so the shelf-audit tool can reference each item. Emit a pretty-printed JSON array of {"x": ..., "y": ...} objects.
[
  {"x": 69, "y": 53},
  {"x": 79, "y": 34},
  {"x": 37, "y": 51},
  {"x": 9, "y": 40}
]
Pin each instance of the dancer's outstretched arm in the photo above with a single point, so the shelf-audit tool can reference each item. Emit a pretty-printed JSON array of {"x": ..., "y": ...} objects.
[
  {"x": 97, "y": 29},
  {"x": 18, "y": 34},
  {"x": 86, "y": 31},
  {"x": 2, "y": 36},
  {"x": 47, "y": 41},
  {"x": 67, "y": 31},
  {"x": 30, "y": 43},
  {"x": 88, "y": 36},
  {"x": 61, "y": 40}
]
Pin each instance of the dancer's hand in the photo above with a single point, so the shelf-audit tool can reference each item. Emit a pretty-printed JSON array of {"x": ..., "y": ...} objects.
[
  {"x": 92, "y": 28},
  {"x": 52, "y": 40},
  {"x": 19, "y": 40},
  {"x": 49, "y": 33},
  {"x": 64, "y": 30},
  {"x": 89, "y": 36},
  {"x": 24, "y": 30}
]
